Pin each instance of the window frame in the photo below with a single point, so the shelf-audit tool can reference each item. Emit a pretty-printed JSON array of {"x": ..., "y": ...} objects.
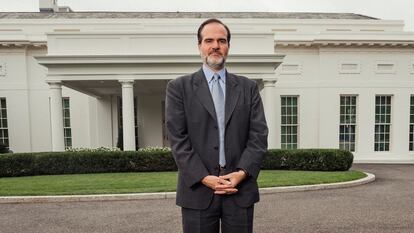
[
  {"x": 288, "y": 133},
  {"x": 4, "y": 128},
  {"x": 384, "y": 128},
  {"x": 411, "y": 126},
  {"x": 67, "y": 129},
  {"x": 347, "y": 145}
]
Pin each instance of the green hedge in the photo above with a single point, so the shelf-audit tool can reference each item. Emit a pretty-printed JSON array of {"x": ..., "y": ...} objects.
[
  {"x": 53, "y": 163},
  {"x": 308, "y": 160}
]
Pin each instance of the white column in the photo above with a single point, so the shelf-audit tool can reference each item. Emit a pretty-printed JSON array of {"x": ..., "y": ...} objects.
[
  {"x": 269, "y": 102},
  {"x": 128, "y": 125},
  {"x": 56, "y": 116}
]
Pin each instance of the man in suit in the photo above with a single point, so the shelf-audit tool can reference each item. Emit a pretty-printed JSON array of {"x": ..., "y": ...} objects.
[{"x": 218, "y": 135}]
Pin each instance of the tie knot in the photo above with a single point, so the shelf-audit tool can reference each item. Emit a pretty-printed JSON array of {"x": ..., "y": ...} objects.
[{"x": 216, "y": 77}]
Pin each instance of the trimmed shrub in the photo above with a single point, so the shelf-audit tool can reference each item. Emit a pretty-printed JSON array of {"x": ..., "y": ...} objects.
[
  {"x": 308, "y": 160},
  {"x": 54, "y": 163},
  {"x": 156, "y": 159}
]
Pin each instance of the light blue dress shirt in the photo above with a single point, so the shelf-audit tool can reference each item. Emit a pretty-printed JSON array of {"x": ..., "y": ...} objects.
[{"x": 209, "y": 76}]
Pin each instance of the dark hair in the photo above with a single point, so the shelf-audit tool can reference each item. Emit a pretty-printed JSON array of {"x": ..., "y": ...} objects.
[{"x": 208, "y": 21}]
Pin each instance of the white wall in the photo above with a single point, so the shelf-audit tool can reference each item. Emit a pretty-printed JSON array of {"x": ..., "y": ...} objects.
[
  {"x": 319, "y": 84},
  {"x": 150, "y": 119},
  {"x": 13, "y": 86}
]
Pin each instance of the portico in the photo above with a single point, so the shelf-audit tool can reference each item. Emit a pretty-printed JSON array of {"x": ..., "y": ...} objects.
[{"x": 123, "y": 65}]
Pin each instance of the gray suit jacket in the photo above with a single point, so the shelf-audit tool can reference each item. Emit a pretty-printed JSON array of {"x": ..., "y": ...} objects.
[{"x": 193, "y": 134}]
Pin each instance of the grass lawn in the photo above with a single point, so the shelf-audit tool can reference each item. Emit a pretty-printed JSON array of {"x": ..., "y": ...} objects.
[{"x": 108, "y": 183}]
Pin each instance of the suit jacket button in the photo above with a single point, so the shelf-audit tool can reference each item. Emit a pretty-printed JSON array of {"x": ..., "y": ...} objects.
[{"x": 216, "y": 147}]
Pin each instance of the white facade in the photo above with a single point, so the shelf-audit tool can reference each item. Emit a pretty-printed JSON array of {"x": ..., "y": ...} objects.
[{"x": 99, "y": 62}]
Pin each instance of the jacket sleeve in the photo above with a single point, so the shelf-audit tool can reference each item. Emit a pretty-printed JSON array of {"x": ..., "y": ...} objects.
[
  {"x": 256, "y": 146},
  {"x": 188, "y": 161}
]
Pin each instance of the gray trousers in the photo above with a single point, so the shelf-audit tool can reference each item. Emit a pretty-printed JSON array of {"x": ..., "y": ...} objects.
[{"x": 223, "y": 212}]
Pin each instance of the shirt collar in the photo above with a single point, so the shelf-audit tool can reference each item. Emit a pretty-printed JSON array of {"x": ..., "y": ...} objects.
[{"x": 209, "y": 73}]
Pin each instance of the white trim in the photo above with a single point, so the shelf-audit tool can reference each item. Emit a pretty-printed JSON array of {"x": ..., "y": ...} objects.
[
  {"x": 297, "y": 70},
  {"x": 386, "y": 71},
  {"x": 3, "y": 69},
  {"x": 357, "y": 69}
]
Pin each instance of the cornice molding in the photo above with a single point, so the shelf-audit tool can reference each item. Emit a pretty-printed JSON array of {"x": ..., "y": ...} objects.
[
  {"x": 152, "y": 59},
  {"x": 346, "y": 43},
  {"x": 22, "y": 44}
]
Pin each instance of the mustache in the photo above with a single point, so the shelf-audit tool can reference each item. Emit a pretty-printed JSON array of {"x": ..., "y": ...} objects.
[{"x": 216, "y": 52}]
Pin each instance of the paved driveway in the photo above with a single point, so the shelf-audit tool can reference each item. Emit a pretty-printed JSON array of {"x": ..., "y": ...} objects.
[{"x": 386, "y": 205}]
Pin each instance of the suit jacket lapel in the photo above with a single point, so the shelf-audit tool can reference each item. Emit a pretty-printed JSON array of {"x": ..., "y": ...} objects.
[
  {"x": 203, "y": 93},
  {"x": 232, "y": 95}
]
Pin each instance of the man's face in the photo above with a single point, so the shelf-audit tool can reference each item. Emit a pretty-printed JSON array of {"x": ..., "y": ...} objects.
[{"x": 214, "y": 46}]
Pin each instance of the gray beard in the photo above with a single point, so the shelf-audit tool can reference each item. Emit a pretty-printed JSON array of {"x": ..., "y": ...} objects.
[{"x": 216, "y": 65}]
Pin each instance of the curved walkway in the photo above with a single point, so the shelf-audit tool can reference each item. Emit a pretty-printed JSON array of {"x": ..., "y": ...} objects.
[
  {"x": 383, "y": 206},
  {"x": 165, "y": 195}
]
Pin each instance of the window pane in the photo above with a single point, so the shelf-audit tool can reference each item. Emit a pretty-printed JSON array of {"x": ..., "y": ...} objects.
[
  {"x": 67, "y": 122},
  {"x": 3, "y": 103},
  {"x": 294, "y": 130},
  {"x": 3, "y": 113},
  {"x": 353, "y": 102},
  {"x": 66, "y": 113}
]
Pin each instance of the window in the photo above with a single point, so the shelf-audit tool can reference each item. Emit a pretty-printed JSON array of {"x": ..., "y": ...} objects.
[
  {"x": 67, "y": 131},
  {"x": 412, "y": 123},
  {"x": 347, "y": 123},
  {"x": 289, "y": 126},
  {"x": 382, "y": 122},
  {"x": 4, "y": 132}
]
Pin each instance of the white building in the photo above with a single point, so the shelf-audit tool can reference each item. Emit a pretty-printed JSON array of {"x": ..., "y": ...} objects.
[{"x": 341, "y": 80}]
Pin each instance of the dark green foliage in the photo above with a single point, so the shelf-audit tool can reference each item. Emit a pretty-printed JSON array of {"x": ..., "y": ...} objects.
[
  {"x": 54, "y": 163},
  {"x": 308, "y": 160}
]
